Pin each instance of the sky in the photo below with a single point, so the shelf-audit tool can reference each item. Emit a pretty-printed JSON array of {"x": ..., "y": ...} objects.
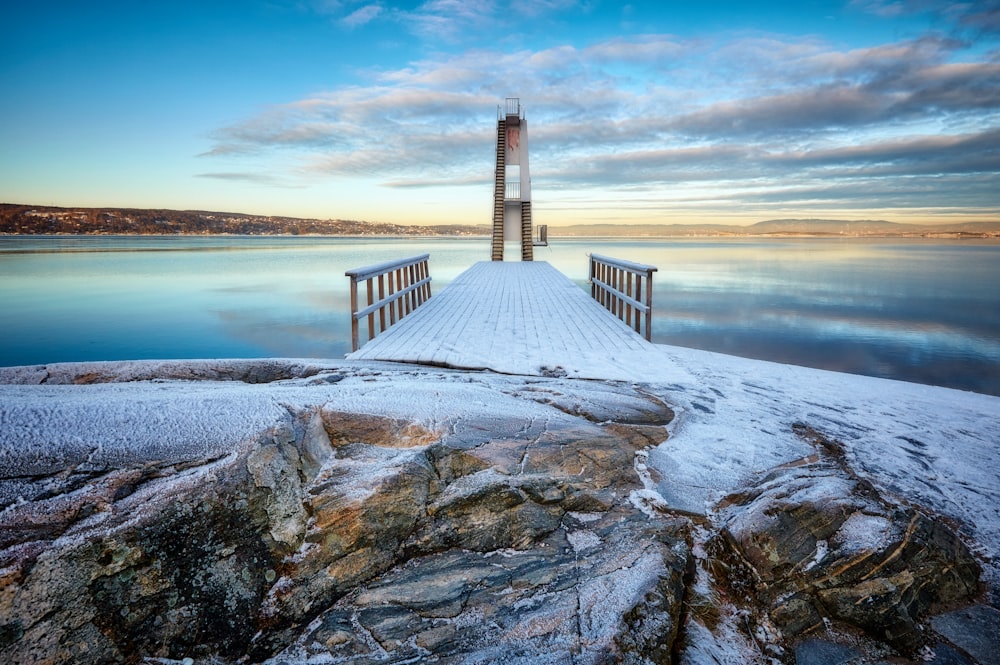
[{"x": 642, "y": 112}]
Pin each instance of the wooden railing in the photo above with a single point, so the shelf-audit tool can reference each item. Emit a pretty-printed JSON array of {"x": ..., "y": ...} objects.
[
  {"x": 399, "y": 286},
  {"x": 625, "y": 289}
]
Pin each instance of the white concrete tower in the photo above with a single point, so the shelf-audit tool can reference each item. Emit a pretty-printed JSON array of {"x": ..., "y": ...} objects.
[{"x": 512, "y": 189}]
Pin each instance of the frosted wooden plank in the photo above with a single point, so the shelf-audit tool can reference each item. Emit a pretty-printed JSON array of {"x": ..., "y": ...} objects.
[{"x": 510, "y": 317}]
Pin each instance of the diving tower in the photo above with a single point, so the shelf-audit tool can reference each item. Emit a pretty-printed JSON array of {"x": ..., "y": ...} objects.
[{"x": 512, "y": 187}]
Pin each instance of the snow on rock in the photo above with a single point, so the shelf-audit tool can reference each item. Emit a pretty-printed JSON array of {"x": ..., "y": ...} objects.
[
  {"x": 778, "y": 532},
  {"x": 936, "y": 447},
  {"x": 164, "y": 517},
  {"x": 105, "y": 426},
  {"x": 281, "y": 490}
]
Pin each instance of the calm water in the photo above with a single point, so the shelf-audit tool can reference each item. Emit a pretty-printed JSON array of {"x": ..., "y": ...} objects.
[{"x": 925, "y": 311}]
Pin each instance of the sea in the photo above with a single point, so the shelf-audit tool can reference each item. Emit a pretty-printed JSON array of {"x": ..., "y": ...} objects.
[{"x": 919, "y": 310}]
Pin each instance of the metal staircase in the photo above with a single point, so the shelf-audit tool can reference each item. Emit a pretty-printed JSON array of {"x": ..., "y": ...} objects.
[
  {"x": 499, "y": 191},
  {"x": 527, "y": 252}
]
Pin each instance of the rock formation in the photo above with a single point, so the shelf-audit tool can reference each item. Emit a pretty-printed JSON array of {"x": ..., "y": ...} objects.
[
  {"x": 369, "y": 535},
  {"x": 479, "y": 519},
  {"x": 811, "y": 543}
]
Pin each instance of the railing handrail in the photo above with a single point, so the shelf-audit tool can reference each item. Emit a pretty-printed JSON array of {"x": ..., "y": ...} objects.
[
  {"x": 376, "y": 269},
  {"x": 510, "y": 107},
  {"x": 388, "y": 300},
  {"x": 617, "y": 284},
  {"x": 631, "y": 266},
  {"x": 403, "y": 285}
]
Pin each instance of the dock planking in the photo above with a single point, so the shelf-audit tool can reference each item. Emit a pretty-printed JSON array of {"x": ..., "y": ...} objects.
[{"x": 518, "y": 318}]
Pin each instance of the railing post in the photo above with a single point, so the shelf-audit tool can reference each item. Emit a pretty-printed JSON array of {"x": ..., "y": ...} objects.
[
  {"x": 638, "y": 296},
  {"x": 354, "y": 308},
  {"x": 381, "y": 296},
  {"x": 593, "y": 285},
  {"x": 617, "y": 285},
  {"x": 412, "y": 272},
  {"x": 427, "y": 286},
  {"x": 649, "y": 305},
  {"x": 398, "y": 276},
  {"x": 628, "y": 307},
  {"x": 402, "y": 287},
  {"x": 371, "y": 317}
]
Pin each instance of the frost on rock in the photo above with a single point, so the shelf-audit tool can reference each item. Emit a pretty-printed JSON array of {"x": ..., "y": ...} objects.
[
  {"x": 290, "y": 511},
  {"x": 392, "y": 513},
  {"x": 787, "y": 544}
]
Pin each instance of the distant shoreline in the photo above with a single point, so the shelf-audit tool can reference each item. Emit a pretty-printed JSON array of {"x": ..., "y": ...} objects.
[
  {"x": 552, "y": 236},
  {"x": 26, "y": 220}
]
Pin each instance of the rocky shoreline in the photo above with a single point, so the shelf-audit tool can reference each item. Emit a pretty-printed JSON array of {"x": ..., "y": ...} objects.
[{"x": 296, "y": 511}]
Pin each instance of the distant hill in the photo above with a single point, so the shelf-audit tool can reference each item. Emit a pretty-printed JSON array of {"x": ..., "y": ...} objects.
[
  {"x": 785, "y": 227},
  {"x": 34, "y": 220}
]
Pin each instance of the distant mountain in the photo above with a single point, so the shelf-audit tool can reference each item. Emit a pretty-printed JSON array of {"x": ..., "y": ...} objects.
[{"x": 25, "y": 219}]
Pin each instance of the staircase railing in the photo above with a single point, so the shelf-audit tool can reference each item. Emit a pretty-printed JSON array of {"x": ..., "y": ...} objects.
[
  {"x": 625, "y": 289},
  {"x": 400, "y": 286}
]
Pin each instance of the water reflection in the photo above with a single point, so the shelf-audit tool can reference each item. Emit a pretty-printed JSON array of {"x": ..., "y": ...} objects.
[{"x": 925, "y": 311}]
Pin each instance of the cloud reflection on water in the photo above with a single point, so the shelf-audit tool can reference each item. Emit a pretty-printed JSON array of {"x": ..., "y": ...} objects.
[{"x": 924, "y": 311}]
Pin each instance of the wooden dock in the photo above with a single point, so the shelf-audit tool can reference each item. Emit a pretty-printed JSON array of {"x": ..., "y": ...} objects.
[{"x": 516, "y": 318}]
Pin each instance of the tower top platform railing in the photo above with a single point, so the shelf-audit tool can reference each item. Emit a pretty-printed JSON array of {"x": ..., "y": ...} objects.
[{"x": 511, "y": 108}]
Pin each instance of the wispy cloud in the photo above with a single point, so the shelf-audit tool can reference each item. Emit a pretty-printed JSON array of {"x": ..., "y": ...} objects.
[
  {"x": 248, "y": 178},
  {"x": 450, "y": 21},
  {"x": 803, "y": 118},
  {"x": 361, "y": 16},
  {"x": 979, "y": 16}
]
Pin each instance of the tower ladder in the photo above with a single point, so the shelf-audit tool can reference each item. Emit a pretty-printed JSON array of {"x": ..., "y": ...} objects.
[{"x": 499, "y": 191}]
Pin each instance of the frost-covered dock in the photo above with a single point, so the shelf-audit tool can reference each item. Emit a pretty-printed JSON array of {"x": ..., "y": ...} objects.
[
  {"x": 513, "y": 317},
  {"x": 510, "y": 317}
]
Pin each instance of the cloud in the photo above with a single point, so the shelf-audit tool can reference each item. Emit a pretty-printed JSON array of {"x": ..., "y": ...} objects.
[
  {"x": 644, "y": 49},
  {"x": 883, "y": 8},
  {"x": 538, "y": 7},
  {"x": 983, "y": 17},
  {"x": 248, "y": 178},
  {"x": 883, "y": 86},
  {"x": 417, "y": 183},
  {"x": 361, "y": 16},
  {"x": 964, "y": 153},
  {"x": 435, "y": 21},
  {"x": 977, "y": 16},
  {"x": 321, "y": 6},
  {"x": 759, "y": 119},
  {"x": 450, "y": 20}
]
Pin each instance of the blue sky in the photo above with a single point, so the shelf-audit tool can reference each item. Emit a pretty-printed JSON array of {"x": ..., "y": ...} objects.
[{"x": 645, "y": 112}]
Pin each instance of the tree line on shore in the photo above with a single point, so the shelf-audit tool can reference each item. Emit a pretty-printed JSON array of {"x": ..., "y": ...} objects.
[
  {"x": 39, "y": 220},
  {"x": 36, "y": 220}
]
